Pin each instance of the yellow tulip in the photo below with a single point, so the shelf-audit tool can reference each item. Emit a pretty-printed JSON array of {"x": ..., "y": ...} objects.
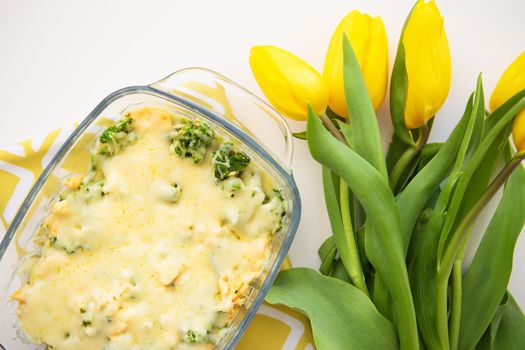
[
  {"x": 511, "y": 82},
  {"x": 289, "y": 83},
  {"x": 368, "y": 38},
  {"x": 427, "y": 62}
]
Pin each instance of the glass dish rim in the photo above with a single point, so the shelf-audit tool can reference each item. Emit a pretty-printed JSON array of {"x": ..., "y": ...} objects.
[{"x": 286, "y": 174}]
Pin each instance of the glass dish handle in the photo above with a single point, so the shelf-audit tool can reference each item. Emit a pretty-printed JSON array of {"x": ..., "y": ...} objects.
[{"x": 235, "y": 105}]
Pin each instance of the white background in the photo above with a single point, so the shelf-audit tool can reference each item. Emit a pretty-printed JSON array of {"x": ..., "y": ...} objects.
[{"x": 58, "y": 59}]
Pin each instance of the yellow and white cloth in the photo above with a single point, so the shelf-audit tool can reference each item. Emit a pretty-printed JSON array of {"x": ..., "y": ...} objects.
[{"x": 273, "y": 327}]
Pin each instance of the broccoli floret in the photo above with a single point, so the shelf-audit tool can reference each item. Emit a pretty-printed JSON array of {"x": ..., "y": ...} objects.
[
  {"x": 68, "y": 247},
  {"x": 195, "y": 337},
  {"x": 191, "y": 337},
  {"x": 114, "y": 138},
  {"x": 192, "y": 139},
  {"x": 279, "y": 208},
  {"x": 229, "y": 162},
  {"x": 92, "y": 190},
  {"x": 122, "y": 126},
  {"x": 231, "y": 185}
]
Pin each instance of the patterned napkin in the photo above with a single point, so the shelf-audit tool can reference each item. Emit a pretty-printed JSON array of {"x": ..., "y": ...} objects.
[{"x": 273, "y": 327}]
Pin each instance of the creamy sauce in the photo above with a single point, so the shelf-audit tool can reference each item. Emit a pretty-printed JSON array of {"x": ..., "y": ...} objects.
[{"x": 137, "y": 267}]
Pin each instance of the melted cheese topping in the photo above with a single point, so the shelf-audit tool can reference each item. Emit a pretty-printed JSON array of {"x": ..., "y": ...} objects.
[{"x": 133, "y": 269}]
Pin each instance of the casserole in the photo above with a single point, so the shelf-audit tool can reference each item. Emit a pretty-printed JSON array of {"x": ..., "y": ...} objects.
[{"x": 196, "y": 94}]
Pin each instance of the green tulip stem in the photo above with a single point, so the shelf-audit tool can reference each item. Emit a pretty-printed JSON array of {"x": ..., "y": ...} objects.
[
  {"x": 332, "y": 128},
  {"x": 453, "y": 254},
  {"x": 355, "y": 270},
  {"x": 455, "y": 307},
  {"x": 460, "y": 233},
  {"x": 407, "y": 157},
  {"x": 353, "y": 267},
  {"x": 456, "y": 296}
]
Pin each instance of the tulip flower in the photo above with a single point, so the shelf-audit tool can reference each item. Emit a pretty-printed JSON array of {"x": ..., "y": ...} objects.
[
  {"x": 511, "y": 82},
  {"x": 368, "y": 38},
  {"x": 427, "y": 62},
  {"x": 289, "y": 83}
]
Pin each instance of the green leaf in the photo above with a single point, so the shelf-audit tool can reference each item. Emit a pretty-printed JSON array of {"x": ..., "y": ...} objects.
[
  {"x": 469, "y": 172},
  {"x": 511, "y": 327},
  {"x": 395, "y": 150},
  {"x": 342, "y": 317},
  {"x": 487, "y": 277},
  {"x": 423, "y": 274},
  {"x": 346, "y": 130},
  {"x": 383, "y": 240},
  {"x": 327, "y": 252},
  {"x": 341, "y": 240},
  {"x": 407, "y": 174},
  {"x": 300, "y": 135},
  {"x": 416, "y": 194},
  {"x": 474, "y": 133},
  {"x": 366, "y": 139},
  {"x": 398, "y": 91},
  {"x": 419, "y": 230},
  {"x": 339, "y": 271},
  {"x": 483, "y": 174},
  {"x": 428, "y": 152},
  {"x": 429, "y": 286}
]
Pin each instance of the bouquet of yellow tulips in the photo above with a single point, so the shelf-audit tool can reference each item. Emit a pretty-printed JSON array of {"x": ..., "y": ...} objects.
[{"x": 391, "y": 274}]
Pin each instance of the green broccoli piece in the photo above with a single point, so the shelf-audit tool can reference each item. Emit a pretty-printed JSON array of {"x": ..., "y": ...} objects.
[
  {"x": 196, "y": 337},
  {"x": 228, "y": 162},
  {"x": 191, "y": 337},
  {"x": 192, "y": 139},
  {"x": 114, "y": 138},
  {"x": 112, "y": 133},
  {"x": 231, "y": 185}
]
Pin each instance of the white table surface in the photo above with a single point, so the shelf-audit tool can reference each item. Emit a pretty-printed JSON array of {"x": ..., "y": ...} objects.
[{"x": 58, "y": 59}]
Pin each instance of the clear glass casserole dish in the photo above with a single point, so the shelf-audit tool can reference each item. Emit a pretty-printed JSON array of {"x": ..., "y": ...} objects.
[{"x": 195, "y": 93}]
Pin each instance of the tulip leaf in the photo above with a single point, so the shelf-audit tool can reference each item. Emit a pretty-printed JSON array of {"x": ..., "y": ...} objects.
[
  {"x": 339, "y": 271},
  {"x": 300, "y": 135},
  {"x": 341, "y": 240},
  {"x": 423, "y": 273},
  {"x": 428, "y": 152},
  {"x": 327, "y": 252},
  {"x": 507, "y": 332},
  {"x": 487, "y": 277},
  {"x": 366, "y": 139},
  {"x": 491, "y": 140},
  {"x": 398, "y": 91},
  {"x": 474, "y": 133},
  {"x": 419, "y": 230},
  {"x": 383, "y": 241},
  {"x": 416, "y": 194},
  {"x": 326, "y": 247},
  {"x": 483, "y": 174},
  {"x": 395, "y": 150},
  {"x": 346, "y": 130},
  {"x": 429, "y": 292},
  {"x": 342, "y": 317}
]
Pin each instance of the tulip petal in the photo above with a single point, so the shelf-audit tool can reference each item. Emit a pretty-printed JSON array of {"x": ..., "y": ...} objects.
[
  {"x": 368, "y": 38},
  {"x": 288, "y": 82},
  {"x": 427, "y": 59},
  {"x": 511, "y": 82}
]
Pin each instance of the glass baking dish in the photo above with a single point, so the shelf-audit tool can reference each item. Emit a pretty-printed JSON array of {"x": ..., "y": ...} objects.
[{"x": 195, "y": 93}]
